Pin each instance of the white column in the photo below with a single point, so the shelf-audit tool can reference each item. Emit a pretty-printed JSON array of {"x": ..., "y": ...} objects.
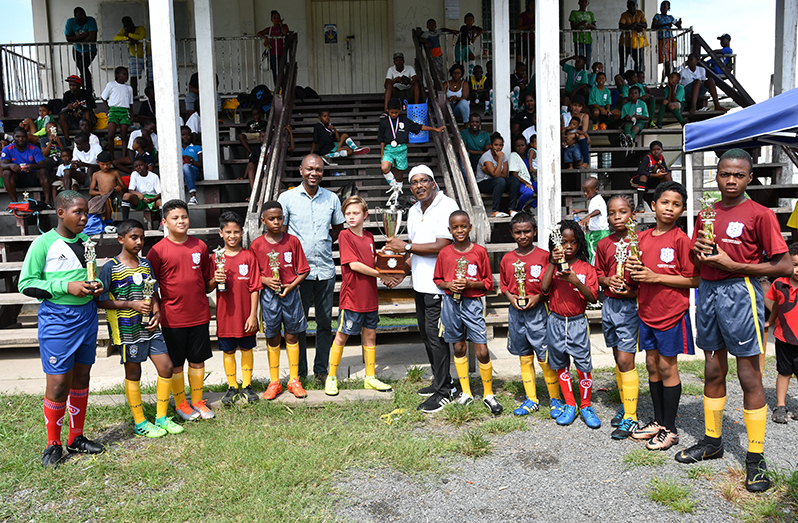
[
  {"x": 689, "y": 183},
  {"x": 547, "y": 71},
  {"x": 500, "y": 34},
  {"x": 784, "y": 73},
  {"x": 164, "y": 63},
  {"x": 203, "y": 26}
]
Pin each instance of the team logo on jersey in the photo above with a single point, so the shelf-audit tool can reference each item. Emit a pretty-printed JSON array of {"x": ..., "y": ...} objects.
[
  {"x": 349, "y": 324},
  {"x": 666, "y": 254},
  {"x": 582, "y": 278},
  {"x": 534, "y": 271},
  {"x": 243, "y": 269},
  {"x": 196, "y": 257},
  {"x": 288, "y": 256},
  {"x": 734, "y": 230},
  {"x": 401, "y": 126},
  {"x": 137, "y": 278},
  {"x": 133, "y": 350},
  {"x": 472, "y": 269},
  {"x": 53, "y": 360}
]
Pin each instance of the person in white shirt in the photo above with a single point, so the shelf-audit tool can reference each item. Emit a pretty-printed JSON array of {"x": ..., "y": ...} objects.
[
  {"x": 596, "y": 224},
  {"x": 84, "y": 158},
  {"x": 401, "y": 80},
  {"x": 696, "y": 84},
  {"x": 147, "y": 131},
  {"x": 144, "y": 190},
  {"x": 119, "y": 97}
]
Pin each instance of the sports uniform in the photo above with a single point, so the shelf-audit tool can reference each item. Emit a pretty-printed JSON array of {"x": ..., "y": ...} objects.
[
  {"x": 528, "y": 333},
  {"x": 619, "y": 319},
  {"x": 358, "y": 302},
  {"x": 233, "y": 306}
]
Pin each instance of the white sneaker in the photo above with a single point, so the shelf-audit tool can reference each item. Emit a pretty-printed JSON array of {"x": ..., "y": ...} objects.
[
  {"x": 513, "y": 213},
  {"x": 328, "y": 162},
  {"x": 193, "y": 200},
  {"x": 464, "y": 399}
]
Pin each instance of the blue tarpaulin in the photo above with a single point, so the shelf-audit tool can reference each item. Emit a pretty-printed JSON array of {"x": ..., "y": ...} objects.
[{"x": 772, "y": 122}]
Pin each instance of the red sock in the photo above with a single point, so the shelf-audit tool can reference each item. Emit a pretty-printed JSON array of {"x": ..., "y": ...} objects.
[
  {"x": 585, "y": 387},
  {"x": 53, "y": 420},
  {"x": 77, "y": 401},
  {"x": 566, "y": 386}
]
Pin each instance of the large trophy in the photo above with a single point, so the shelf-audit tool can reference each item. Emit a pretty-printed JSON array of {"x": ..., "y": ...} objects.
[
  {"x": 634, "y": 241},
  {"x": 520, "y": 279},
  {"x": 556, "y": 239},
  {"x": 708, "y": 220},
  {"x": 389, "y": 262},
  {"x": 620, "y": 258},
  {"x": 218, "y": 257},
  {"x": 91, "y": 260},
  {"x": 459, "y": 274},
  {"x": 148, "y": 291},
  {"x": 274, "y": 265}
]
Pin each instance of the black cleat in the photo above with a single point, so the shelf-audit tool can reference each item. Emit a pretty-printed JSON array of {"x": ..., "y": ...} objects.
[
  {"x": 756, "y": 479},
  {"x": 230, "y": 396},
  {"x": 700, "y": 451},
  {"x": 493, "y": 404},
  {"x": 52, "y": 457},
  {"x": 249, "y": 394},
  {"x": 85, "y": 446},
  {"x": 618, "y": 418}
]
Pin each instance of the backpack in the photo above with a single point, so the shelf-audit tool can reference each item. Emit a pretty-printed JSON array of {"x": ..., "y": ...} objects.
[{"x": 261, "y": 96}]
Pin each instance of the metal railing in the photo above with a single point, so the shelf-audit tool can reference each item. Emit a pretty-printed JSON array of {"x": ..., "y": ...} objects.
[{"x": 35, "y": 73}]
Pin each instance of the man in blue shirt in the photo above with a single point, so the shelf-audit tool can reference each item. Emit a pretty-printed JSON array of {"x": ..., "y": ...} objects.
[
  {"x": 23, "y": 164},
  {"x": 309, "y": 212},
  {"x": 82, "y": 28},
  {"x": 192, "y": 163},
  {"x": 725, "y": 42}
]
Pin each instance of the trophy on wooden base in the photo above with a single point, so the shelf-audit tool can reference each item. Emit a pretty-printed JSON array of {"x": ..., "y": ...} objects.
[
  {"x": 274, "y": 265},
  {"x": 459, "y": 274},
  {"x": 634, "y": 240},
  {"x": 218, "y": 258},
  {"x": 389, "y": 262},
  {"x": 520, "y": 279},
  {"x": 708, "y": 214},
  {"x": 91, "y": 260},
  {"x": 556, "y": 239},
  {"x": 148, "y": 291},
  {"x": 620, "y": 258}
]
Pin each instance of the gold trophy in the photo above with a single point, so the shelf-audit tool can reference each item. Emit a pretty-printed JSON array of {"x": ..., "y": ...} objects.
[
  {"x": 148, "y": 291},
  {"x": 218, "y": 257},
  {"x": 620, "y": 258},
  {"x": 274, "y": 265},
  {"x": 631, "y": 227},
  {"x": 91, "y": 260},
  {"x": 520, "y": 279},
  {"x": 707, "y": 214},
  {"x": 556, "y": 240},
  {"x": 459, "y": 273}
]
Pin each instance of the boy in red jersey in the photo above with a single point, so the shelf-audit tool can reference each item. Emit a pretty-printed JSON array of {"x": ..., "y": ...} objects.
[
  {"x": 358, "y": 303},
  {"x": 730, "y": 309},
  {"x": 280, "y": 254},
  {"x": 237, "y": 308},
  {"x": 185, "y": 274}
]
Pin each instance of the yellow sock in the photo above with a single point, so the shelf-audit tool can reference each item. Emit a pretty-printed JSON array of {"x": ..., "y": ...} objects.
[
  {"x": 336, "y": 351},
  {"x": 552, "y": 381},
  {"x": 247, "y": 364},
  {"x": 196, "y": 380},
  {"x": 619, "y": 381},
  {"x": 486, "y": 373},
  {"x": 293, "y": 359},
  {"x": 133, "y": 395},
  {"x": 274, "y": 363},
  {"x": 755, "y": 427},
  {"x": 461, "y": 365},
  {"x": 178, "y": 387},
  {"x": 630, "y": 389},
  {"x": 713, "y": 416},
  {"x": 229, "y": 360},
  {"x": 528, "y": 375},
  {"x": 370, "y": 355},
  {"x": 162, "y": 388}
]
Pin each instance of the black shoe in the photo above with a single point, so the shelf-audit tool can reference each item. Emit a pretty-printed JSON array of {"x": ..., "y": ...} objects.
[
  {"x": 626, "y": 429},
  {"x": 494, "y": 406},
  {"x": 320, "y": 378},
  {"x": 756, "y": 479},
  {"x": 250, "y": 394},
  {"x": 700, "y": 451},
  {"x": 85, "y": 446},
  {"x": 618, "y": 418},
  {"x": 230, "y": 396},
  {"x": 641, "y": 207},
  {"x": 52, "y": 456},
  {"x": 434, "y": 403},
  {"x": 427, "y": 391}
]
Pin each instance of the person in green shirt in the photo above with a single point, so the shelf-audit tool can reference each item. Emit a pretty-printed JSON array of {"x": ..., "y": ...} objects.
[
  {"x": 577, "y": 79},
  {"x": 674, "y": 99},
  {"x": 600, "y": 102},
  {"x": 581, "y": 20},
  {"x": 476, "y": 140},
  {"x": 634, "y": 116}
]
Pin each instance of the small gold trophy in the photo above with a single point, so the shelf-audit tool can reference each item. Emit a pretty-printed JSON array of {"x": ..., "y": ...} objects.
[
  {"x": 25, "y": 196},
  {"x": 218, "y": 257},
  {"x": 148, "y": 291},
  {"x": 620, "y": 258},
  {"x": 274, "y": 265},
  {"x": 631, "y": 226},
  {"x": 708, "y": 219},
  {"x": 520, "y": 279},
  {"x": 556, "y": 239},
  {"x": 91, "y": 260},
  {"x": 459, "y": 273}
]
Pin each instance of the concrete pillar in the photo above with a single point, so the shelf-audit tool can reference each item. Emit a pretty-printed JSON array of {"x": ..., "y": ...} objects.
[
  {"x": 500, "y": 33},
  {"x": 206, "y": 64},
  {"x": 784, "y": 72},
  {"x": 547, "y": 72},
  {"x": 164, "y": 63}
]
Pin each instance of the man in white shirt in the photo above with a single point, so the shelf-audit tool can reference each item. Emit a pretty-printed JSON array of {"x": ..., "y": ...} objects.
[
  {"x": 695, "y": 82},
  {"x": 401, "y": 80},
  {"x": 428, "y": 231},
  {"x": 84, "y": 158}
]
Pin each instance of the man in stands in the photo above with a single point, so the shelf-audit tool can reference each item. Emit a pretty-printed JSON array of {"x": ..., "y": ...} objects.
[
  {"x": 76, "y": 105},
  {"x": 401, "y": 81},
  {"x": 82, "y": 28},
  {"x": 23, "y": 165},
  {"x": 696, "y": 84}
]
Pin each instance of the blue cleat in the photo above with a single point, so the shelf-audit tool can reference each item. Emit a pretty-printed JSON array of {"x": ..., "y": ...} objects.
[
  {"x": 568, "y": 415},
  {"x": 527, "y": 407},
  {"x": 556, "y": 408},
  {"x": 591, "y": 418},
  {"x": 618, "y": 418}
]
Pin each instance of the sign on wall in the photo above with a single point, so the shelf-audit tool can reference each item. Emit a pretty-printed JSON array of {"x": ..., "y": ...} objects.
[{"x": 331, "y": 34}]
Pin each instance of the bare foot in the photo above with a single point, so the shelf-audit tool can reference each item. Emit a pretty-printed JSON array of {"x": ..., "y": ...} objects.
[
  {"x": 720, "y": 108},
  {"x": 584, "y": 166}
]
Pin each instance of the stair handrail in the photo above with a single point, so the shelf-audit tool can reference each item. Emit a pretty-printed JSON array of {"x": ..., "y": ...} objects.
[{"x": 735, "y": 91}]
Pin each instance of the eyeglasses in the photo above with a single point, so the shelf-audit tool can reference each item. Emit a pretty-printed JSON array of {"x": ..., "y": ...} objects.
[{"x": 425, "y": 181}]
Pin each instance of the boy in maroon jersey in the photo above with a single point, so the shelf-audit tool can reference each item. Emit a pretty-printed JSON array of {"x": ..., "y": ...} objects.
[
  {"x": 185, "y": 274},
  {"x": 358, "y": 303},
  {"x": 730, "y": 309},
  {"x": 237, "y": 308}
]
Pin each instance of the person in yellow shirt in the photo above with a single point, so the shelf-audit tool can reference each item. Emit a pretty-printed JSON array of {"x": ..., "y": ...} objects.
[
  {"x": 633, "y": 38},
  {"x": 139, "y": 51}
]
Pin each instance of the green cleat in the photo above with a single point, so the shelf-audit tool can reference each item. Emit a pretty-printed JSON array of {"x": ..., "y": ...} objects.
[
  {"x": 168, "y": 425},
  {"x": 331, "y": 386},
  {"x": 147, "y": 429},
  {"x": 372, "y": 383}
]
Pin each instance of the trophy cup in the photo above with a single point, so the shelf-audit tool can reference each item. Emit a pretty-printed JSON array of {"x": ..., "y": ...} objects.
[
  {"x": 148, "y": 291},
  {"x": 620, "y": 258},
  {"x": 520, "y": 279},
  {"x": 459, "y": 273},
  {"x": 91, "y": 260},
  {"x": 556, "y": 239},
  {"x": 631, "y": 227},
  {"x": 218, "y": 257},
  {"x": 274, "y": 265},
  {"x": 25, "y": 196},
  {"x": 389, "y": 262},
  {"x": 707, "y": 214}
]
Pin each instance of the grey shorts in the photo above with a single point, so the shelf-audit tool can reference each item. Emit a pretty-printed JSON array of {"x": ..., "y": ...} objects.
[
  {"x": 351, "y": 323},
  {"x": 568, "y": 338},
  {"x": 140, "y": 352},
  {"x": 463, "y": 320},
  {"x": 277, "y": 313},
  {"x": 730, "y": 314},
  {"x": 526, "y": 332},
  {"x": 621, "y": 324}
]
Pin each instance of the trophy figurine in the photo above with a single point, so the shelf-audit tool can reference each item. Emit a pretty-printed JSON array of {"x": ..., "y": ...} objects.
[
  {"x": 218, "y": 257},
  {"x": 389, "y": 262},
  {"x": 274, "y": 265},
  {"x": 620, "y": 258},
  {"x": 91, "y": 260},
  {"x": 148, "y": 291},
  {"x": 459, "y": 273},
  {"x": 25, "y": 196},
  {"x": 556, "y": 239},
  {"x": 707, "y": 214},
  {"x": 631, "y": 227},
  {"x": 520, "y": 279}
]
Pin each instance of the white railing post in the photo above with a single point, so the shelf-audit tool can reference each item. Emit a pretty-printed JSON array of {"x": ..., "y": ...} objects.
[{"x": 203, "y": 23}]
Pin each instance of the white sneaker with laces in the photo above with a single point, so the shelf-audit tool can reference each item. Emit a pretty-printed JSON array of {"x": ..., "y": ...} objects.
[{"x": 193, "y": 200}]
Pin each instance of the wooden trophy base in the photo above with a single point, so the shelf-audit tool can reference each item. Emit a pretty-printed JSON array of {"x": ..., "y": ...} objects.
[{"x": 390, "y": 263}]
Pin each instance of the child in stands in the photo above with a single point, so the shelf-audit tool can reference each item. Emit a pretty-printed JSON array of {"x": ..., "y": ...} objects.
[
  {"x": 144, "y": 191},
  {"x": 253, "y": 128},
  {"x": 600, "y": 102},
  {"x": 119, "y": 97},
  {"x": 432, "y": 39},
  {"x": 595, "y": 223},
  {"x": 84, "y": 158},
  {"x": 480, "y": 90},
  {"x": 674, "y": 100},
  {"x": 37, "y": 129},
  {"x": 192, "y": 163},
  {"x": 330, "y": 143},
  {"x": 571, "y": 155},
  {"x": 138, "y": 149},
  {"x": 107, "y": 187},
  {"x": 577, "y": 80},
  {"x": 634, "y": 116}
]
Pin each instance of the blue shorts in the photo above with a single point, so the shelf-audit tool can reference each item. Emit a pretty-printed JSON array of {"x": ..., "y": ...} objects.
[
  {"x": 672, "y": 342},
  {"x": 67, "y": 335},
  {"x": 277, "y": 313},
  {"x": 463, "y": 320},
  {"x": 351, "y": 323},
  {"x": 572, "y": 154},
  {"x": 620, "y": 323},
  {"x": 568, "y": 338},
  {"x": 526, "y": 334},
  {"x": 730, "y": 314},
  {"x": 139, "y": 352},
  {"x": 231, "y": 344}
]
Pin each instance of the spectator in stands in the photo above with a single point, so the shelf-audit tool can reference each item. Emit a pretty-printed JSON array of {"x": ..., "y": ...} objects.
[
  {"x": 519, "y": 83},
  {"x": 519, "y": 168},
  {"x": 63, "y": 178},
  {"x": 578, "y": 113},
  {"x": 633, "y": 38},
  {"x": 492, "y": 177},
  {"x": 571, "y": 156},
  {"x": 139, "y": 53},
  {"x": 51, "y": 147},
  {"x": 581, "y": 20},
  {"x": 652, "y": 171},
  {"x": 146, "y": 107},
  {"x": 23, "y": 165},
  {"x": 666, "y": 43},
  {"x": 84, "y": 159},
  {"x": 193, "y": 94},
  {"x": 480, "y": 90},
  {"x": 76, "y": 105},
  {"x": 194, "y": 123},
  {"x": 82, "y": 28},
  {"x": 36, "y": 128},
  {"x": 329, "y": 143},
  {"x": 273, "y": 42},
  {"x": 725, "y": 42},
  {"x": 192, "y": 164},
  {"x": 136, "y": 149},
  {"x": 526, "y": 42},
  {"x": 401, "y": 81},
  {"x": 85, "y": 126},
  {"x": 600, "y": 102},
  {"x": 695, "y": 82},
  {"x": 476, "y": 140},
  {"x": 577, "y": 79},
  {"x": 595, "y": 69},
  {"x": 254, "y": 156},
  {"x": 432, "y": 39},
  {"x": 120, "y": 100},
  {"x": 674, "y": 99},
  {"x": 457, "y": 93},
  {"x": 634, "y": 116},
  {"x": 463, "y": 52},
  {"x": 148, "y": 132},
  {"x": 526, "y": 118},
  {"x": 252, "y": 129}
]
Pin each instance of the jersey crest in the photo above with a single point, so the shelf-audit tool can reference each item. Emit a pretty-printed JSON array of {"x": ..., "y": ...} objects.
[
  {"x": 137, "y": 278},
  {"x": 734, "y": 230},
  {"x": 288, "y": 256},
  {"x": 666, "y": 254},
  {"x": 535, "y": 270},
  {"x": 196, "y": 257},
  {"x": 243, "y": 269},
  {"x": 472, "y": 269},
  {"x": 582, "y": 278}
]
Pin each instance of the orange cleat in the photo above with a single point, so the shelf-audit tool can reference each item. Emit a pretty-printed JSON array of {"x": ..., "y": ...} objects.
[
  {"x": 295, "y": 388},
  {"x": 274, "y": 389}
]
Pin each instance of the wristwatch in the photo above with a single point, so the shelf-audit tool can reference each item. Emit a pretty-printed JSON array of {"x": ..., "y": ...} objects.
[{"x": 408, "y": 248}]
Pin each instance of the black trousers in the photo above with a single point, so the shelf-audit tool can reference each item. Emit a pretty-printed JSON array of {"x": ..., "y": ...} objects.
[{"x": 428, "y": 312}]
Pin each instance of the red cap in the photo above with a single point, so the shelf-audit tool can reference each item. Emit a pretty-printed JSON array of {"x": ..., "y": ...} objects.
[{"x": 74, "y": 78}]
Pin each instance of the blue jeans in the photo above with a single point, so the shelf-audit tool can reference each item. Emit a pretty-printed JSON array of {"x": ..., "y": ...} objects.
[
  {"x": 585, "y": 50},
  {"x": 321, "y": 292},
  {"x": 584, "y": 149},
  {"x": 498, "y": 186},
  {"x": 190, "y": 175},
  {"x": 462, "y": 110}
]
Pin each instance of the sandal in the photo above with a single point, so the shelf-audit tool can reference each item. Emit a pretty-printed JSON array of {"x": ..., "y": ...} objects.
[{"x": 780, "y": 414}]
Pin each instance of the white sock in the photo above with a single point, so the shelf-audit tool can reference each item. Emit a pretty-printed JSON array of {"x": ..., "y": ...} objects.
[
  {"x": 389, "y": 177},
  {"x": 351, "y": 143},
  {"x": 338, "y": 154}
]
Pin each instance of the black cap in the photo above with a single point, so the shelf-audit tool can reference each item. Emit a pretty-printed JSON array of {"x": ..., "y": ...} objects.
[{"x": 724, "y": 36}]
